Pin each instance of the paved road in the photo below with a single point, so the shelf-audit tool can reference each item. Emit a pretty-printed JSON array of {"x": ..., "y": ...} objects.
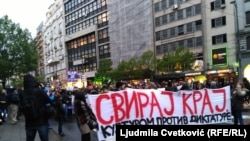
[
  {"x": 16, "y": 132},
  {"x": 71, "y": 131}
]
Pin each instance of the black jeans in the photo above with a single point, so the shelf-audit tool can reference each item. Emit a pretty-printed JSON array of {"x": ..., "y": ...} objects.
[
  {"x": 60, "y": 124},
  {"x": 42, "y": 131}
]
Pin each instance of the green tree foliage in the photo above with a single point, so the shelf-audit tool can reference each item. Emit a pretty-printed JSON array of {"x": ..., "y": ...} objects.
[
  {"x": 17, "y": 50},
  {"x": 148, "y": 63},
  {"x": 105, "y": 67},
  {"x": 104, "y": 70},
  {"x": 181, "y": 57}
]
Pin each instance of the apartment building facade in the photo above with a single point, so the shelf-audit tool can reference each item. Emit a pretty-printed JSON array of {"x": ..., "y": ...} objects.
[
  {"x": 86, "y": 35},
  {"x": 39, "y": 47},
  {"x": 242, "y": 13},
  {"x": 90, "y": 30},
  {"x": 54, "y": 48},
  {"x": 204, "y": 27}
]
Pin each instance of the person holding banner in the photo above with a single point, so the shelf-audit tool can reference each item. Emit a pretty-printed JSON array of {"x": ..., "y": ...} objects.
[
  {"x": 82, "y": 115},
  {"x": 237, "y": 102}
]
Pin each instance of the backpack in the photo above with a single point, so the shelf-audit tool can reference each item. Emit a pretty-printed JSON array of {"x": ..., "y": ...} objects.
[{"x": 31, "y": 106}]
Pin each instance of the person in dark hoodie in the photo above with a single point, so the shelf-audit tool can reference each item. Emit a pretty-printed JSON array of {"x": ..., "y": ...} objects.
[{"x": 32, "y": 126}]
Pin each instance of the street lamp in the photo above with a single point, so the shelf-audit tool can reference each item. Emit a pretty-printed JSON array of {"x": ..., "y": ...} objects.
[{"x": 238, "y": 53}]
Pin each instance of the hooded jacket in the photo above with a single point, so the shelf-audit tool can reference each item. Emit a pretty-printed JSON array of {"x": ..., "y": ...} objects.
[{"x": 31, "y": 87}]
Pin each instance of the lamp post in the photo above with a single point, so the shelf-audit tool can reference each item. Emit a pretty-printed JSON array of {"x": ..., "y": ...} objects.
[{"x": 238, "y": 53}]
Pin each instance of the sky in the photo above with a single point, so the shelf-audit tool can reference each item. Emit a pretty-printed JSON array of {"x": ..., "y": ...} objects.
[{"x": 28, "y": 13}]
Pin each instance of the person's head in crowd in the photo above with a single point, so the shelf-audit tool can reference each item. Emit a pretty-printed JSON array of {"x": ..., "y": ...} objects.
[
  {"x": 120, "y": 85},
  {"x": 185, "y": 86},
  {"x": 30, "y": 81}
]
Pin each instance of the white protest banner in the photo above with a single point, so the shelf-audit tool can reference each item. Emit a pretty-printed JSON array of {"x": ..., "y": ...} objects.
[{"x": 158, "y": 107}]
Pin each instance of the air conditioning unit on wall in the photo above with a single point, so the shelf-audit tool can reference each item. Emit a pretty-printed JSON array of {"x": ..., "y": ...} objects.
[
  {"x": 176, "y": 6},
  {"x": 222, "y": 6}
]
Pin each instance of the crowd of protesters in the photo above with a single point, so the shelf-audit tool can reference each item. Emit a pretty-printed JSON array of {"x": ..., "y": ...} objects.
[{"x": 68, "y": 102}]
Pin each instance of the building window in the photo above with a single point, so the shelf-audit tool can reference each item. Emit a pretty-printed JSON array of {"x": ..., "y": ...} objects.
[
  {"x": 163, "y": 4},
  {"x": 248, "y": 42},
  {"x": 190, "y": 43},
  {"x": 102, "y": 20},
  {"x": 180, "y": 30},
  {"x": 158, "y": 49},
  {"x": 170, "y": 3},
  {"x": 189, "y": 12},
  {"x": 198, "y": 41},
  {"x": 157, "y": 7},
  {"x": 180, "y": 14},
  {"x": 219, "y": 39},
  {"x": 164, "y": 19},
  {"x": 158, "y": 21},
  {"x": 218, "y": 21},
  {"x": 248, "y": 17},
  {"x": 197, "y": 9},
  {"x": 198, "y": 25},
  {"x": 103, "y": 35},
  {"x": 172, "y": 32},
  {"x": 165, "y": 34},
  {"x": 189, "y": 27},
  {"x": 181, "y": 43},
  {"x": 172, "y": 17},
  {"x": 216, "y": 4},
  {"x": 158, "y": 36},
  {"x": 164, "y": 48},
  {"x": 104, "y": 51},
  {"x": 82, "y": 48}
]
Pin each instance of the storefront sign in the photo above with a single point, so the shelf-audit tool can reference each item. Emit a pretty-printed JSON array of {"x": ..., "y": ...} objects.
[
  {"x": 219, "y": 57},
  {"x": 72, "y": 76},
  {"x": 193, "y": 74},
  {"x": 229, "y": 70}
]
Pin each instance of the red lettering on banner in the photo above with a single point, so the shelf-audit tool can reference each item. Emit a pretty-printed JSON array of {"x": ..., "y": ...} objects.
[
  {"x": 171, "y": 98},
  {"x": 118, "y": 109},
  {"x": 197, "y": 96},
  {"x": 220, "y": 91},
  {"x": 137, "y": 103},
  {"x": 185, "y": 98},
  {"x": 123, "y": 104},
  {"x": 141, "y": 103},
  {"x": 99, "y": 100},
  {"x": 129, "y": 103},
  {"x": 206, "y": 101},
  {"x": 155, "y": 103}
]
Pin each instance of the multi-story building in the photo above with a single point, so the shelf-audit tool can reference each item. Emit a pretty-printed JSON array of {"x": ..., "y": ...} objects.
[
  {"x": 40, "y": 50},
  {"x": 130, "y": 29},
  {"x": 121, "y": 30},
  {"x": 87, "y": 37},
  {"x": 54, "y": 48},
  {"x": 242, "y": 13},
  {"x": 178, "y": 24},
  {"x": 204, "y": 27}
]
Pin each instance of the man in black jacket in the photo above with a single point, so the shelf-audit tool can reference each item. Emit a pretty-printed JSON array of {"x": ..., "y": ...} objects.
[{"x": 34, "y": 125}]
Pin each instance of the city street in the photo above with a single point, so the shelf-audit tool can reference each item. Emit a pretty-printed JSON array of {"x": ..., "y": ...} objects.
[{"x": 16, "y": 132}]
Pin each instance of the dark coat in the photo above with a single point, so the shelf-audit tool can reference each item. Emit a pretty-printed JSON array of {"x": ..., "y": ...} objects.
[
  {"x": 3, "y": 97},
  {"x": 82, "y": 113},
  {"x": 238, "y": 99},
  {"x": 31, "y": 87},
  {"x": 60, "y": 112}
]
